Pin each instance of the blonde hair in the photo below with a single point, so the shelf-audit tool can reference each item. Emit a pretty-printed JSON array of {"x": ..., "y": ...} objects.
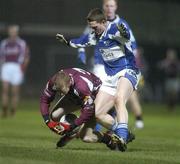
[
  {"x": 62, "y": 80},
  {"x": 14, "y": 26},
  {"x": 104, "y": 1}
]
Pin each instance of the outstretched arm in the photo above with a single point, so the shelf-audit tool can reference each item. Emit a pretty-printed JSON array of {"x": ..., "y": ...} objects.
[{"x": 82, "y": 41}]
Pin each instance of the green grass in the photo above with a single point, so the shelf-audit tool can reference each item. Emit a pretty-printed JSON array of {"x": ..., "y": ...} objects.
[{"x": 25, "y": 139}]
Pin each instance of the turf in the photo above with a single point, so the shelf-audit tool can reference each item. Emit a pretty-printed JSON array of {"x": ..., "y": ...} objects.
[{"x": 25, "y": 139}]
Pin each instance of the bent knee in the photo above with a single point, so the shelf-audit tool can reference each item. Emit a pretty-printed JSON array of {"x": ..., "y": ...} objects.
[
  {"x": 56, "y": 115},
  {"x": 98, "y": 116},
  {"x": 120, "y": 99}
]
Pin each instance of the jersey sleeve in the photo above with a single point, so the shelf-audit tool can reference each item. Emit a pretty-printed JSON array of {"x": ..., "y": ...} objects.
[
  {"x": 2, "y": 49},
  {"x": 87, "y": 30},
  {"x": 22, "y": 53},
  {"x": 84, "y": 40},
  {"x": 133, "y": 41},
  {"x": 46, "y": 98}
]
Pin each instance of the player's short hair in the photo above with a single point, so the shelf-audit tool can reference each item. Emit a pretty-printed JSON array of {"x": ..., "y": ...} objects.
[
  {"x": 14, "y": 26},
  {"x": 96, "y": 15},
  {"x": 62, "y": 80},
  {"x": 108, "y": 0}
]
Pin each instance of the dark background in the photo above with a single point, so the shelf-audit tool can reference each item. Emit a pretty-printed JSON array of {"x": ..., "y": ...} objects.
[{"x": 155, "y": 24}]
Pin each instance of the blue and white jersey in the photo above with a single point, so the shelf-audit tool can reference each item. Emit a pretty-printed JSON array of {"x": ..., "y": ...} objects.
[
  {"x": 117, "y": 20},
  {"x": 115, "y": 50},
  {"x": 97, "y": 56}
]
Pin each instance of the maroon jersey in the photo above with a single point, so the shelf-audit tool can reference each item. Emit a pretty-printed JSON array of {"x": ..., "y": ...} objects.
[
  {"x": 82, "y": 91},
  {"x": 13, "y": 50}
]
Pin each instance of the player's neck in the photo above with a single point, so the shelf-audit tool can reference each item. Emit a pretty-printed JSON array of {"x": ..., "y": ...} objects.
[
  {"x": 112, "y": 18},
  {"x": 12, "y": 39}
]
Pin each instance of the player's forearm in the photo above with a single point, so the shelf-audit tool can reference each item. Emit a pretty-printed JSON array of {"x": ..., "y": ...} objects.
[
  {"x": 44, "y": 107},
  {"x": 25, "y": 64},
  {"x": 26, "y": 61},
  {"x": 44, "y": 112},
  {"x": 87, "y": 113},
  {"x": 81, "y": 42}
]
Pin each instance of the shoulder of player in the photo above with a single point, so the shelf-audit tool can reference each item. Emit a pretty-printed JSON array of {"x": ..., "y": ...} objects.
[
  {"x": 21, "y": 41},
  {"x": 112, "y": 28},
  {"x": 122, "y": 20},
  {"x": 80, "y": 82},
  {"x": 4, "y": 42},
  {"x": 81, "y": 88}
]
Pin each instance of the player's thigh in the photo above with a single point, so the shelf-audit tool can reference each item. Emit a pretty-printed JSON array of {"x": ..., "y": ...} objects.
[
  {"x": 103, "y": 102},
  {"x": 6, "y": 72},
  {"x": 11, "y": 72},
  {"x": 124, "y": 90},
  {"x": 17, "y": 76}
]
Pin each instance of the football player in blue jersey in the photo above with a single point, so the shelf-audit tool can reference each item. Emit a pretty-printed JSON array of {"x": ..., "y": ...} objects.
[
  {"x": 122, "y": 75},
  {"x": 109, "y": 8}
]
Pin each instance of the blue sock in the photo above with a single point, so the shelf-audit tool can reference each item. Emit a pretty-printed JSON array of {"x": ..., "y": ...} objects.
[
  {"x": 122, "y": 130},
  {"x": 98, "y": 127}
]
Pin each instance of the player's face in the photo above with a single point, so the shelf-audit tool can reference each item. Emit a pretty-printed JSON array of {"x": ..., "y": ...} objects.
[
  {"x": 97, "y": 27},
  {"x": 110, "y": 7},
  {"x": 65, "y": 90},
  {"x": 13, "y": 31}
]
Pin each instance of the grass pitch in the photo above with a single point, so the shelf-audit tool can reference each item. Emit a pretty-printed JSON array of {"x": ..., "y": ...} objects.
[{"x": 26, "y": 139}]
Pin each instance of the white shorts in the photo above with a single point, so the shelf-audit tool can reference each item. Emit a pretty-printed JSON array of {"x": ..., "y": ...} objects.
[
  {"x": 99, "y": 71},
  {"x": 109, "y": 85},
  {"x": 11, "y": 72}
]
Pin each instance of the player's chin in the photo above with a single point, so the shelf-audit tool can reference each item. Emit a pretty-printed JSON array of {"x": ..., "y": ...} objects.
[
  {"x": 110, "y": 14},
  {"x": 99, "y": 32}
]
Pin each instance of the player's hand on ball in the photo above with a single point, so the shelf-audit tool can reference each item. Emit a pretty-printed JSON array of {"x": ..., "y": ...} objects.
[
  {"x": 55, "y": 127},
  {"x": 73, "y": 129},
  {"x": 69, "y": 129},
  {"x": 123, "y": 30},
  {"x": 61, "y": 39},
  {"x": 68, "y": 124}
]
